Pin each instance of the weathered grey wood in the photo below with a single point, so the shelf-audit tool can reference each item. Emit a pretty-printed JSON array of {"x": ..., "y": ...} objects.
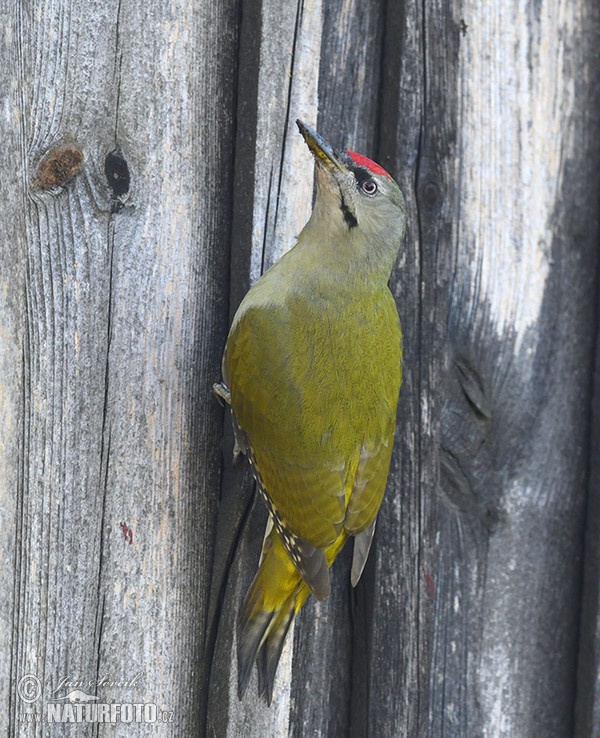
[
  {"x": 587, "y": 716},
  {"x": 420, "y": 89},
  {"x": 113, "y": 318},
  {"x": 12, "y": 379},
  {"x": 417, "y": 134},
  {"x": 327, "y": 643},
  {"x": 122, "y": 555},
  {"x": 520, "y": 340}
]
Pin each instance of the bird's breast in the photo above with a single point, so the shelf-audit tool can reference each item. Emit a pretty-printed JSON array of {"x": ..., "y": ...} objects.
[{"x": 316, "y": 372}]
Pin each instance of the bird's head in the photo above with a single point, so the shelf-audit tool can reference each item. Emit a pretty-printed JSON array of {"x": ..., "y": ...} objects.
[{"x": 359, "y": 208}]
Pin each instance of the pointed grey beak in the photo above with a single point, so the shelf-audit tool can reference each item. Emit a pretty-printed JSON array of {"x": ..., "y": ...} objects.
[{"x": 324, "y": 154}]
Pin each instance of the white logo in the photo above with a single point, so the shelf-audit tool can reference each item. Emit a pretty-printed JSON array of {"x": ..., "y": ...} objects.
[
  {"x": 77, "y": 696},
  {"x": 29, "y": 688},
  {"x": 80, "y": 706}
]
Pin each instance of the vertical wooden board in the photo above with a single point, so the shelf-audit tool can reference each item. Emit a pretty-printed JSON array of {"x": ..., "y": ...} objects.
[
  {"x": 281, "y": 182},
  {"x": 12, "y": 287},
  {"x": 124, "y": 316},
  {"x": 350, "y": 74},
  {"x": 520, "y": 345},
  {"x": 323, "y": 659},
  {"x": 169, "y": 256},
  {"x": 416, "y": 145},
  {"x": 63, "y": 300},
  {"x": 273, "y": 202},
  {"x": 587, "y": 715}
]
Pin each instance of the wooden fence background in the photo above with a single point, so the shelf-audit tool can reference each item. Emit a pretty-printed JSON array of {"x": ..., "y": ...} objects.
[{"x": 150, "y": 170}]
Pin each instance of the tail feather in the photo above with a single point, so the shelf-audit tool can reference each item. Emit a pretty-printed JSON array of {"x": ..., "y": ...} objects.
[
  {"x": 252, "y": 635},
  {"x": 274, "y": 598},
  {"x": 270, "y": 653}
]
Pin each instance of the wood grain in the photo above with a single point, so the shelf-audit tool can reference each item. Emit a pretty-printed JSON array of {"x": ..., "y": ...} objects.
[
  {"x": 114, "y": 486},
  {"x": 520, "y": 346},
  {"x": 129, "y": 537}
]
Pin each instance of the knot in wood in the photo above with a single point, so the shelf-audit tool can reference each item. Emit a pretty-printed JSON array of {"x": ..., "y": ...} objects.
[
  {"x": 58, "y": 166},
  {"x": 117, "y": 174},
  {"x": 430, "y": 195}
]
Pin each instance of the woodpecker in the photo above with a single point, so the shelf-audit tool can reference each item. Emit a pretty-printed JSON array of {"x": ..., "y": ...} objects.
[{"x": 312, "y": 371}]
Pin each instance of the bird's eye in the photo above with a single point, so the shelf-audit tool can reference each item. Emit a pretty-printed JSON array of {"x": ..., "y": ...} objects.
[{"x": 369, "y": 187}]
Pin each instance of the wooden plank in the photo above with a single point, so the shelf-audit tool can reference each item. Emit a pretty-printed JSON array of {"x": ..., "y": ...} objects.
[
  {"x": 334, "y": 638},
  {"x": 186, "y": 157},
  {"x": 327, "y": 643},
  {"x": 63, "y": 296},
  {"x": 13, "y": 260},
  {"x": 587, "y": 715},
  {"x": 123, "y": 317},
  {"x": 273, "y": 195},
  {"x": 520, "y": 331},
  {"x": 416, "y": 128}
]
